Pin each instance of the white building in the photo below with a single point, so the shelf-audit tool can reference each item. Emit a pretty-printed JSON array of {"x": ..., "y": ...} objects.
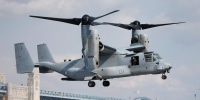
[
  {"x": 2, "y": 78},
  {"x": 20, "y": 92},
  {"x": 16, "y": 92}
]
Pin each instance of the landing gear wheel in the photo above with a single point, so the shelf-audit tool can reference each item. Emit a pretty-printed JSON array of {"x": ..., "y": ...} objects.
[
  {"x": 106, "y": 83},
  {"x": 164, "y": 77},
  {"x": 91, "y": 83}
]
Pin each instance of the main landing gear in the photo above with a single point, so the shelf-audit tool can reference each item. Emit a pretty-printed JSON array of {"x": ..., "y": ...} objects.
[
  {"x": 92, "y": 83},
  {"x": 106, "y": 83}
]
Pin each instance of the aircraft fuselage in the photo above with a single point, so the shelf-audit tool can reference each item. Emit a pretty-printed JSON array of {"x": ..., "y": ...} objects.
[{"x": 110, "y": 66}]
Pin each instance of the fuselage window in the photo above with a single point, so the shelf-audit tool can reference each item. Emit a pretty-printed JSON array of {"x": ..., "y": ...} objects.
[
  {"x": 148, "y": 57},
  {"x": 135, "y": 60}
]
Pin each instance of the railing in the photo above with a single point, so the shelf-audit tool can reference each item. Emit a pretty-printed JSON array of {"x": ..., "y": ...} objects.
[
  {"x": 74, "y": 96},
  {"x": 54, "y": 94}
]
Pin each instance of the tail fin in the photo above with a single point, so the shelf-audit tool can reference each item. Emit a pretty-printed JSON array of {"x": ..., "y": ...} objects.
[
  {"x": 24, "y": 62},
  {"x": 44, "y": 53}
]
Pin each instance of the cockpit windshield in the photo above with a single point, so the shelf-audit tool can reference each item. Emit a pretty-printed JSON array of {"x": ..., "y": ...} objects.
[
  {"x": 150, "y": 56},
  {"x": 156, "y": 56}
]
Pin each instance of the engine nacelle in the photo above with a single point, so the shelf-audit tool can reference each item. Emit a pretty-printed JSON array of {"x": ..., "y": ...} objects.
[
  {"x": 137, "y": 37},
  {"x": 143, "y": 39},
  {"x": 93, "y": 50},
  {"x": 101, "y": 46}
]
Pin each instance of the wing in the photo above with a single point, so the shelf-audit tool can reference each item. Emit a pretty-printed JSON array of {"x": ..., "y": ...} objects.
[
  {"x": 137, "y": 47},
  {"x": 107, "y": 51}
]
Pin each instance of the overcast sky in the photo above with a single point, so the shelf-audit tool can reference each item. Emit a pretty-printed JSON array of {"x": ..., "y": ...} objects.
[{"x": 177, "y": 44}]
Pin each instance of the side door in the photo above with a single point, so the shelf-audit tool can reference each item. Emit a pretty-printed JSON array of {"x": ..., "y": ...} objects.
[{"x": 137, "y": 63}]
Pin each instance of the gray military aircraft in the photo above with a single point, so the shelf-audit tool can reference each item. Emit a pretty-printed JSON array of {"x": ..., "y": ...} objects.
[{"x": 99, "y": 61}]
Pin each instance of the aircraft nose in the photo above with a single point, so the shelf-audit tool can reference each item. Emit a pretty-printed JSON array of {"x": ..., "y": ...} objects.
[
  {"x": 164, "y": 66},
  {"x": 169, "y": 67}
]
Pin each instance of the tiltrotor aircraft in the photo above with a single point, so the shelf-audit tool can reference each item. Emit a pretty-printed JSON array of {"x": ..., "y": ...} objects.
[{"x": 99, "y": 61}]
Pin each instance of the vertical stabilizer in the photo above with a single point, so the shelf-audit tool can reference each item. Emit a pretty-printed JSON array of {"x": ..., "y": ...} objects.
[
  {"x": 44, "y": 53},
  {"x": 24, "y": 62}
]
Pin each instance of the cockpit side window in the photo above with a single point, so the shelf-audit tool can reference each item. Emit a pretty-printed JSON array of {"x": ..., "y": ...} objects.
[{"x": 154, "y": 59}]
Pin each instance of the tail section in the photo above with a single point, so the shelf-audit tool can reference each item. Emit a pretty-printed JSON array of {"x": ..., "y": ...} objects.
[
  {"x": 44, "y": 53},
  {"x": 24, "y": 62}
]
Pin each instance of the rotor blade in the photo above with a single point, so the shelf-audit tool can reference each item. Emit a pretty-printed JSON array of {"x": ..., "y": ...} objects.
[
  {"x": 146, "y": 26},
  {"x": 105, "y": 14},
  {"x": 75, "y": 21},
  {"x": 96, "y": 23},
  {"x": 125, "y": 26}
]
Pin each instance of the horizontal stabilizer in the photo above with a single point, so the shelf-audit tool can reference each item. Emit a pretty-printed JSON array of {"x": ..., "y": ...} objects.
[
  {"x": 67, "y": 79},
  {"x": 45, "y": 70},
  {"x": 24, "y": 62}
]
